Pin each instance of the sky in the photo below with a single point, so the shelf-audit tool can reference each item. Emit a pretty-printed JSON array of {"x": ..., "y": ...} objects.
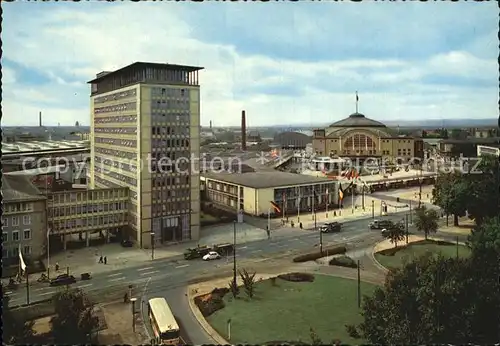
[{"x": 297, "y": 63}]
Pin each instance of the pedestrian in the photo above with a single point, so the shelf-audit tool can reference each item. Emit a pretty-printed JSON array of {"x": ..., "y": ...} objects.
[
  {"x": 100, "y": 259},
  {"x": 57, "y": 267},
  {"x": 105, "y": 260}
]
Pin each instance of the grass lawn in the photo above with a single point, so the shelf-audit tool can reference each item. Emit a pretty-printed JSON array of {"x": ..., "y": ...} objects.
[
  {"x": 285, "y": 312},
  {"x": 420, "y": 248}
]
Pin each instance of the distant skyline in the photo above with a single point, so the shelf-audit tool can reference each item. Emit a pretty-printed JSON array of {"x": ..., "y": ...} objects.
[{"x": 286, "y": 64}]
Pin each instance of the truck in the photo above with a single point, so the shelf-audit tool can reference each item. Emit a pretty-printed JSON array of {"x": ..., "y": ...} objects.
[{"x": 223, "y": 249}]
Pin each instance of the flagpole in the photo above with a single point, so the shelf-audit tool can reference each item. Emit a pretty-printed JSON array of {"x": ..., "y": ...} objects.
[
  {"x": 357, "y": 99},
  {"x": 269, "y": 219},
  {"x": 298, "y": 208},
  {"x": 352, "y": 189}
]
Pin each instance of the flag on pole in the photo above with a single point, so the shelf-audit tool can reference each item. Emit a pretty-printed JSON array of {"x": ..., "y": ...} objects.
[
  {"x": 21, "y": 260},
  {"x": 275, "y": 206},
  {"x": 357, "y": 97}
]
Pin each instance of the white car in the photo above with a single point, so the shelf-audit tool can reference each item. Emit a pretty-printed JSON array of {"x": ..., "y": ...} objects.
[{"x": 212, "y": 255}]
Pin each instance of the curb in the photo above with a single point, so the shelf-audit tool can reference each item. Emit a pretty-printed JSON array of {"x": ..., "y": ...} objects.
[
  {"x": 201, "y": 319},
  {"x": 381, "y": 267}
]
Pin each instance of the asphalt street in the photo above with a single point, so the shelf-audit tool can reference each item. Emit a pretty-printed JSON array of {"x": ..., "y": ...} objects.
[
  {"x": 169, "y": 277},
  {"x": 177, "y": 269}
]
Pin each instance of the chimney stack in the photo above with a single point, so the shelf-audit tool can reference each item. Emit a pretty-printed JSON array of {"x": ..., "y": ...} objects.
[
  {"x": 40, "y": 119},
  {"x": 210, "y": 124},
  {"x": 243, "y": 131}
]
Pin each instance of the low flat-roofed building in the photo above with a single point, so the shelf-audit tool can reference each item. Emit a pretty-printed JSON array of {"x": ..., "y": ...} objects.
[
  {"x": 488, "y": 150},
  {"x": 253, "y": 192}
]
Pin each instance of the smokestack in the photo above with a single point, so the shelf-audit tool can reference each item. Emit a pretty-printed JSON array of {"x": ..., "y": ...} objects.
[
  {"x": 243, "y": 131},
  {"x": 40, "y": 119},
  {"x": 210, "y": 124}
]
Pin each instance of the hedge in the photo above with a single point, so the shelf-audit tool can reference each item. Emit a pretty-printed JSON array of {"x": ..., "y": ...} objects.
[
  {"x": 297, "y": 277},
  {"x": 329, "y": 251},
  {"x": 214, "y": 303},
  {"x": 343, "y": 261}
]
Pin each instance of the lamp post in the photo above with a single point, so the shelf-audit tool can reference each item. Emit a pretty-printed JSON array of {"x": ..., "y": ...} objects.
[
  {"x": 132, "y": 300},
  {"x": 234, "y": 257},
  {"x": 152, "y": 246}
]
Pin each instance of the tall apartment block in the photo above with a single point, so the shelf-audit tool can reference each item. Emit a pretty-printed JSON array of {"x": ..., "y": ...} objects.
[{"x": 145, "y": 126}]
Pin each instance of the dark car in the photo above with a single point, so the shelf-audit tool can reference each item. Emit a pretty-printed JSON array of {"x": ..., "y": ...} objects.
[
  {"x": 126, "y": 243},
  {"x": 331, "y": 227},
  {"x": 63, "y": 279},
  {"x": 380, "y": 224}
]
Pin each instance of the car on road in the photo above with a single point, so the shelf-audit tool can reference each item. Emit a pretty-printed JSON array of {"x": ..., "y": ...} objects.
[
  {"x": 331, "y": 227},
  {"x": 126, "y": 243},
  {"x": 384, "y": 232},
  {"x": 212, "y": 255},
  {"x": 63, "y": 279},
  {"x": 381, "y": 224}
]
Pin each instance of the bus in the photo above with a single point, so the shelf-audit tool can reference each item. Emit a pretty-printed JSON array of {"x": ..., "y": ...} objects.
[{"x": 162, "y": 320}]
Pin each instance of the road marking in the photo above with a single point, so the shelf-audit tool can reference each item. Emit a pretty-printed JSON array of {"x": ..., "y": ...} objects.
[
  {"x": 256, "y": 251},
  {"x": 114, "y": 275},
  {"x": 44, "y": 294},
  {"x": 82, "y": 286},
  {"x": 182, "y": 266},
  {"x": 152, "y": 272},
  {"x": 43, "y": 288},
  {"x": 282, "y": 245},
  {"x": 243, "y": 247},
  {"x": 117, "y": 279},
  {"x": 8, "y": 292},
  {"x": 140, "y": 270}
]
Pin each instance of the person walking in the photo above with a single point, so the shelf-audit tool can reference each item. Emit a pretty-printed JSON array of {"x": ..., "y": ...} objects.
[
  {"x": 105, "y": 260},
  {"x": 100, "y": 260}
]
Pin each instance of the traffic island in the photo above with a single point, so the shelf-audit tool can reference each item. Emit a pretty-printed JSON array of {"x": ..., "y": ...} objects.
[
  {"x": 283, "y": 307},
  {"x": 387, "y": 256}
]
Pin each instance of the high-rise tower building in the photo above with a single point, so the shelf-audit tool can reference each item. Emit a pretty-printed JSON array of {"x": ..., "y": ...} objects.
[{"x": 145, "y": 121}]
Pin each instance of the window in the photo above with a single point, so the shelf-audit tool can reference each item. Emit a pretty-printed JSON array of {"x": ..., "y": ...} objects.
[
  {"x": 5, "y": 236},
  {"x": 15, "y": 235},
  {"x": 15, "y": 221},
  {"x": 26, "y": 250},
  {"x": 27, "y": 234},
  {"x": 27, "y": 220},
  {"x": 5, "y": 223}
]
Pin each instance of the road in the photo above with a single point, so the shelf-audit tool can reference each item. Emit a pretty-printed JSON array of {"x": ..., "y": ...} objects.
[{"x": 169, "y": 277}]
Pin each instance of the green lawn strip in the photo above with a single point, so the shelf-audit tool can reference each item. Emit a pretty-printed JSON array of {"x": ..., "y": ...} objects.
[
  {"x": 420, "y": 248},
  {"x": 285, "y": 312}
]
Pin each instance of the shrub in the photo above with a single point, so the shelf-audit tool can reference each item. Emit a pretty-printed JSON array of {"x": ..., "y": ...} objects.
[
  {"x": 343, "y": 261},
  {"x": 352, "y": 331},
  {"x": 333, "y": 250},
  {"x": 297, "y": 277},
  {"x": 212, "y": 302}
]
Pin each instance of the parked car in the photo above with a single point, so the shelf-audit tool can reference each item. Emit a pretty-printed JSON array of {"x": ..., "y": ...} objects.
[
  {"x": 331, "y": 227},
  {"x": 212, "y": 255},
  {"x": 63, "y": 279},
  {"x": 126, "y": 243},
  {"x": 380, "y": 224}
]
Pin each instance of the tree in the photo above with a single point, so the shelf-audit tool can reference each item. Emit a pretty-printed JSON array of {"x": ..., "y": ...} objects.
[
  {"x": 434, "y": 300},
  {"x": 426, "y": 220},
  {"x": 451, "y": 193},
  {"x": 483, "y": 194},
  {"x": 15, "y": 331},
  {"x": 248, "y": 282},
  {"x": 75, "y": 318},
  {"x": 395, "y": 234},
  {"x": 486, "y": 236}
]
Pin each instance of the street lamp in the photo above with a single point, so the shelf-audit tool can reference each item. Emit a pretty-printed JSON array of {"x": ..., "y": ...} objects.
[
  {"x": 234, "y": 257},
  {"x": 132, "y": 300},
  {"x": 152, "y": 245}
]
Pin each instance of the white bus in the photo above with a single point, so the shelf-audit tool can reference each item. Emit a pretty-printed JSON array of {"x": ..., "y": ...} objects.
[{"x": 163, "y": 322}]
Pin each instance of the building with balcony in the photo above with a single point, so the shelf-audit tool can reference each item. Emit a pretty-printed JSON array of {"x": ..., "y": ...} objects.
[
  {"x": 252, "y": 192},
  {"x": 24, "y": 221},
  {"x": 145, "y": 129}
]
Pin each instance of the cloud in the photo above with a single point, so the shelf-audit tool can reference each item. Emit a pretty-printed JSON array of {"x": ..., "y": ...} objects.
[{"x": 292, "y": 64}]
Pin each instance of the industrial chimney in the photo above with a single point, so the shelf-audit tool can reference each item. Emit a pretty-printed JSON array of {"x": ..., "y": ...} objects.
[
  {"x": 210, "y": 124},
  {"x": 40, "y": 119},
  {"x": 243, "y": 131}
]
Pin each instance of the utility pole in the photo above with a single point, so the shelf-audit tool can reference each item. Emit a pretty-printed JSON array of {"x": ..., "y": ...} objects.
[
  {"x": 234, "y": 258},
  {"x": 363, "y": 196},
  {"x": 411, "y": 222},
  {"x": 352, "y": 188},
  {"x": 406, "y": 223},
  {"x": 132, "y": 300},
  {"x": 315, "y": 223},
  {"x": 359, "y": 285},
  {"x": 27, "y": 288},
  {"x": 373, "y": 209},
  {"x": 152, "y": 246}
]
